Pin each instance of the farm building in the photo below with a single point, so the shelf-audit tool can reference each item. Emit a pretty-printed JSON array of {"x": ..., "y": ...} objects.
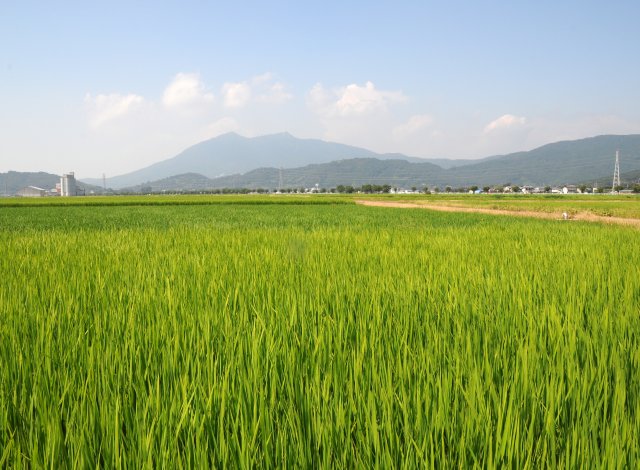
[{"x": 32, "y": 191}]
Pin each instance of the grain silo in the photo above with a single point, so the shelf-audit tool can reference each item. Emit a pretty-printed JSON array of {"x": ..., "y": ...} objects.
[{"x": 68, "y": 185}]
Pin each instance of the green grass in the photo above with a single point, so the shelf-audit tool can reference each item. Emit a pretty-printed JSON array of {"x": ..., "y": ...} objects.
[{"x": 315, "y": 335}]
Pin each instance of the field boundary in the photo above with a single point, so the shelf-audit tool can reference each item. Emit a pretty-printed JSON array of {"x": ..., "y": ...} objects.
[{"x": 581, "y": 216}]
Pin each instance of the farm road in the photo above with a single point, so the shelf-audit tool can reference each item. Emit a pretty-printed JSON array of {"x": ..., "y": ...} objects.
[{"x": 583, "y": 216}]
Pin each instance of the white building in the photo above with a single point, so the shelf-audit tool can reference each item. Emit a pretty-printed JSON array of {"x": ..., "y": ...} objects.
[{"x": 32, "y": 191}]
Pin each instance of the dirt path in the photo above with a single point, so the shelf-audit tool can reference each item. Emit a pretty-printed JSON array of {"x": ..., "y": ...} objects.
[{"x": 585, "y": 216}]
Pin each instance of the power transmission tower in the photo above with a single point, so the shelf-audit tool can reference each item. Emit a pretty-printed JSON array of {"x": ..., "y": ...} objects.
[{"x": 616, "y": 173}]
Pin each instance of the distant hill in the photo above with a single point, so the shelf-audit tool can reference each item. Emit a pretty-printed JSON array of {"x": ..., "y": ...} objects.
[
  {"x": 554, "y": 164},
  {"x": 354, "y": 172},
  {"x": 12, "y": 181},
  {"x": 183, "y": 182},
  {"x": 628, "y": 178},
  {"x": 447, "y": 163},
  {"x": 558, "y": 163},
  {"x": 231, "y": 154}
]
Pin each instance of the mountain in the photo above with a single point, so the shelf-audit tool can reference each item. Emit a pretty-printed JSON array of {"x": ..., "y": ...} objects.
[
  {"x": 231, "y": 154},
  {"x": 553, "y": 164},
  {"x": 232, "y": 161},
  {"x": 354, "y": 172}
]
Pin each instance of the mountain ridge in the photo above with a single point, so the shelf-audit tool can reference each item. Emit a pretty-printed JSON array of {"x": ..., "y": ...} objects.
[
  {"x": 232, "y": 153},
  {"x": 564, "y": 162},
  {"x": 331, "y": 164}
]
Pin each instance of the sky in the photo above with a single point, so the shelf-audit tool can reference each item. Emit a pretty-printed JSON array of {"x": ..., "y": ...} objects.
[{"x": 111, "y": 87}]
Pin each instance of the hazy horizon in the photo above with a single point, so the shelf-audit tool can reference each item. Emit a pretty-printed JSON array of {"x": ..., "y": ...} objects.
[{"x": 114, "y": 88}]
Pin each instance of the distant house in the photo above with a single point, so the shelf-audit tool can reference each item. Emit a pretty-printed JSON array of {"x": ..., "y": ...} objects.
[{"x": 32, "y": 191}]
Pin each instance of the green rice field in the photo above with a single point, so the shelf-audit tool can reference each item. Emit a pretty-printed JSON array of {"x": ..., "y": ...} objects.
[{"x": 242, "y": 332}]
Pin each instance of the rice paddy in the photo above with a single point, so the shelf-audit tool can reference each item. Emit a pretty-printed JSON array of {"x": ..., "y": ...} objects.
[{"x": 239, "y": 333}]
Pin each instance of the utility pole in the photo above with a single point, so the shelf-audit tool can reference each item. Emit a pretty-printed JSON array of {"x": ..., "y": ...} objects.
[
  {"x": 280, "y": 181},
  {"x": 616, "y": 173}
]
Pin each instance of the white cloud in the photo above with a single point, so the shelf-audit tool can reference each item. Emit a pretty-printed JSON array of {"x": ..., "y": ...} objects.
[
  {"x": 362, "y": 100},
  {"x": 186, "y": 89},
  {"x": 236, "y": 95},
  {"x": 352, "y": 100},
  {"x": 263, "y": 87},
  {"x": 356, "y": 114},
  {"x": 413, "y": 125},
  {"x": 104, "y": 108},
  {"x": 507, "y": 121}
]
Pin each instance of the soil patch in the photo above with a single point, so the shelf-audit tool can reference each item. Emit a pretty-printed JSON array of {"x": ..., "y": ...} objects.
[{"x": 584, "y": 216}]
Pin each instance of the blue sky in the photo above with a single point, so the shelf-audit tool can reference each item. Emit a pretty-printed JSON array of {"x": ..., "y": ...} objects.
[{"x": 112, "y": 87}]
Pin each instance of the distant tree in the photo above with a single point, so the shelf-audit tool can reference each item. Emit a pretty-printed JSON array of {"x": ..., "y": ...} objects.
[
  {"x": 583, "y": 188},
  {"x": 547, "y": 189},
  {"x": 436, "y": 189},
  {"x": 636, "y": 188},
  {"x": 386, "y": 188},
  {"x": 473, "y": 188},
  {"x": 426, "y": 190},
  {"x": 448, "y": 189},
  {"x": 486, "y": 189},
  {"x": 341, "y": 189},
  {"x": 515, "y": 189},
  {"x": 618, "y": 188},
  {"x": 413, "y": 188}
]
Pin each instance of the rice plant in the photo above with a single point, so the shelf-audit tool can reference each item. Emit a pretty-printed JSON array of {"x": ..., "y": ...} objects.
[{"x": 332, "y": 336}]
